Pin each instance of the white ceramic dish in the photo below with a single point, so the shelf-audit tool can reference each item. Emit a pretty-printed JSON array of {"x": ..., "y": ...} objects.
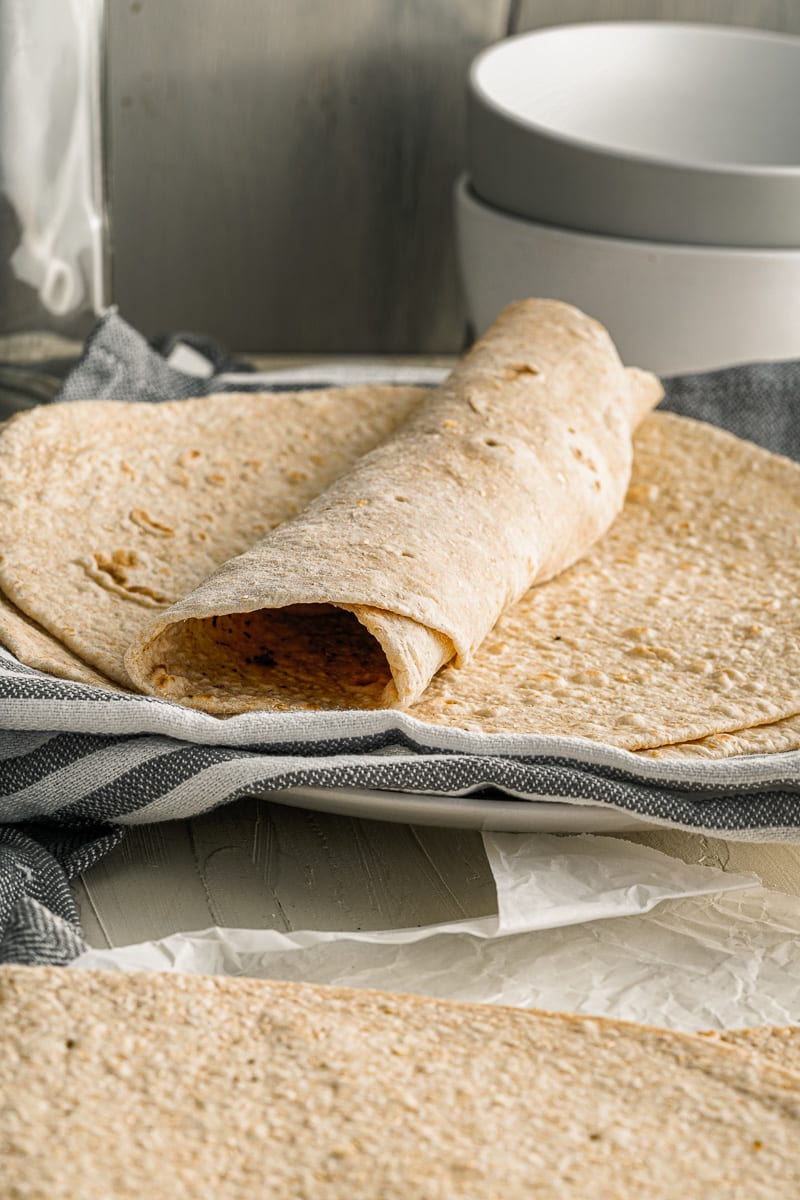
[
  {"x": 496, "y": 813},
  {"x": 668, "y": 308},
  {"x": 669, "y": 132}
]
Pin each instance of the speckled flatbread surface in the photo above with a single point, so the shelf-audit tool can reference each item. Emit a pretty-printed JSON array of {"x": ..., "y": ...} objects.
[
  {"x": 109, "y": 512},
  {"x": 778, "y": 737},
  {"x": 117, "y": 1085},
  {"x": 684, "y": 621},
  {"x": 677, "y": 634},
  {"x": 501, "y": 477},
  {"x": 31, "y": 644},
  {"x": 779, "y": 1044}
]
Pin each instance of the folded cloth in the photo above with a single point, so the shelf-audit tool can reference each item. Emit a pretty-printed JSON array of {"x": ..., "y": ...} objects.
[{"x": 77, "y": 763}]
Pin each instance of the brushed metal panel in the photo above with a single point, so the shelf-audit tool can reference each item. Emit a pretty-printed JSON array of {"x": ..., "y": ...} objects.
[
  {"x": 280, "y": 173},
  {"x": 781, "y": 16}
]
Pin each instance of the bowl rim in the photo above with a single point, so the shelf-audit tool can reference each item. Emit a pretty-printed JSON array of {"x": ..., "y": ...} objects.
[
  {"x": 612, "y": 153},
  {"x": 465, "y": 195}
]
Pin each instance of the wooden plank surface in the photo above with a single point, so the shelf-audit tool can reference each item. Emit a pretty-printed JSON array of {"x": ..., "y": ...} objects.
[
  {"x": 260, "y": 865},
  {"x": 280, "y": 174},
  {"x": 781, "y": 16},
  {"x": 282, "y": 171}
]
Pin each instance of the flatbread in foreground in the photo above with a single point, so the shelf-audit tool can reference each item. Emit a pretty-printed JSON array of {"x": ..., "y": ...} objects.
[
  {"x": 169, "y": 1085},
  {"x": 778, "y": 1044}
]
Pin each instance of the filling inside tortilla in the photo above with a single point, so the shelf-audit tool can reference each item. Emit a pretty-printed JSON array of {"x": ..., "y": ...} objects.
[{"x": 304, "y": 656}]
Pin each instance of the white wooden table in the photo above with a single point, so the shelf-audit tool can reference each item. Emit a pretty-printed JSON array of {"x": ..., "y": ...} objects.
[
  {"x": 258, "y": 864},
  {"x": 255, "y": 864}
]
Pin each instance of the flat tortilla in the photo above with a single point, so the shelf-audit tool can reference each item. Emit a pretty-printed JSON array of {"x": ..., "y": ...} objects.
[
  {"x": 33, "y": 646},
  {"x": 777, "y": 1044},
  {"x": 778, "y": 737},
  {"x": 684, "y": 621},
  {"x": 235, "y": 1088}
]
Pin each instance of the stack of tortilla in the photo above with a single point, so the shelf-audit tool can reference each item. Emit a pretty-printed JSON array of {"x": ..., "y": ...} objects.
[
  {"x": 162, "y": 1086},
  {"x": 526, "y": 549}
]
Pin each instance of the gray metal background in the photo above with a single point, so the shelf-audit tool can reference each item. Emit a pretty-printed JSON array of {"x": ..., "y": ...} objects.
[{"x": 280, "y": 170}]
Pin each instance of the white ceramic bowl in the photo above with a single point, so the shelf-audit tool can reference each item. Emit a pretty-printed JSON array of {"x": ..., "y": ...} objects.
[
  {"x": 669, "y": 308},
  {"x": 684, "y": 133}
]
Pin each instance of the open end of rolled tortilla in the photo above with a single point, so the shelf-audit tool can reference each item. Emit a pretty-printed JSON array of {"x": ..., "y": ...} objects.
[{"x": 312, "y": 656}]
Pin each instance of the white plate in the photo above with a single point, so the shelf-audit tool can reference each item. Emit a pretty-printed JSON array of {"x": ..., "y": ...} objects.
[{"x": 499, "y": 813}]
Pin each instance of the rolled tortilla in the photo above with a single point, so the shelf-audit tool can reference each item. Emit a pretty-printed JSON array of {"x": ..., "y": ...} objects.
[{"x": 500, "y": 479}]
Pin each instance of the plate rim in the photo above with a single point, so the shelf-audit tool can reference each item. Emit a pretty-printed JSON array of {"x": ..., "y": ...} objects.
[{"x": 502, "y": 814}]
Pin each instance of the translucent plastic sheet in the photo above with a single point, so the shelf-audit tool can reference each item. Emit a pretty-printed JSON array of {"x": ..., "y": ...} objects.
[{"x": 50, "y": 150}]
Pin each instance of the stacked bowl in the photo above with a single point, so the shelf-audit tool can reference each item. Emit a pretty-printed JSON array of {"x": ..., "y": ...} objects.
[{"x": 647, "y": 172}]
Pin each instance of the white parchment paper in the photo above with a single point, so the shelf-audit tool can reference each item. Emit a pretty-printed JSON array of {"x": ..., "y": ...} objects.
[{"x": 584, "y": 924}]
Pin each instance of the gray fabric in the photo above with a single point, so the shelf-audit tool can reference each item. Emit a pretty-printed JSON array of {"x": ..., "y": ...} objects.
[
  {"x": 760, "y": 402},
  {"x": 118, "y": 364},
  {"x": 38, "y": 918},
  {"x": 90, "y": 762}
]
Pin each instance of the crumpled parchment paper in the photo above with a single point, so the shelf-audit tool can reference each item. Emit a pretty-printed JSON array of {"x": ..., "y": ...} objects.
[{"x": 584, "y": 924}]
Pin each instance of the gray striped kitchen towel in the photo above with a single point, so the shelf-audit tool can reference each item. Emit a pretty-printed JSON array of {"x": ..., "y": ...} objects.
[{"x": 78, "y": 765}]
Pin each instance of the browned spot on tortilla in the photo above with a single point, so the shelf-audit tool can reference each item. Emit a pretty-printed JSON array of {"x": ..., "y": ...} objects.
[
  {"x": 113, "y": 573},
  {"x": 149, "y": 524}
]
